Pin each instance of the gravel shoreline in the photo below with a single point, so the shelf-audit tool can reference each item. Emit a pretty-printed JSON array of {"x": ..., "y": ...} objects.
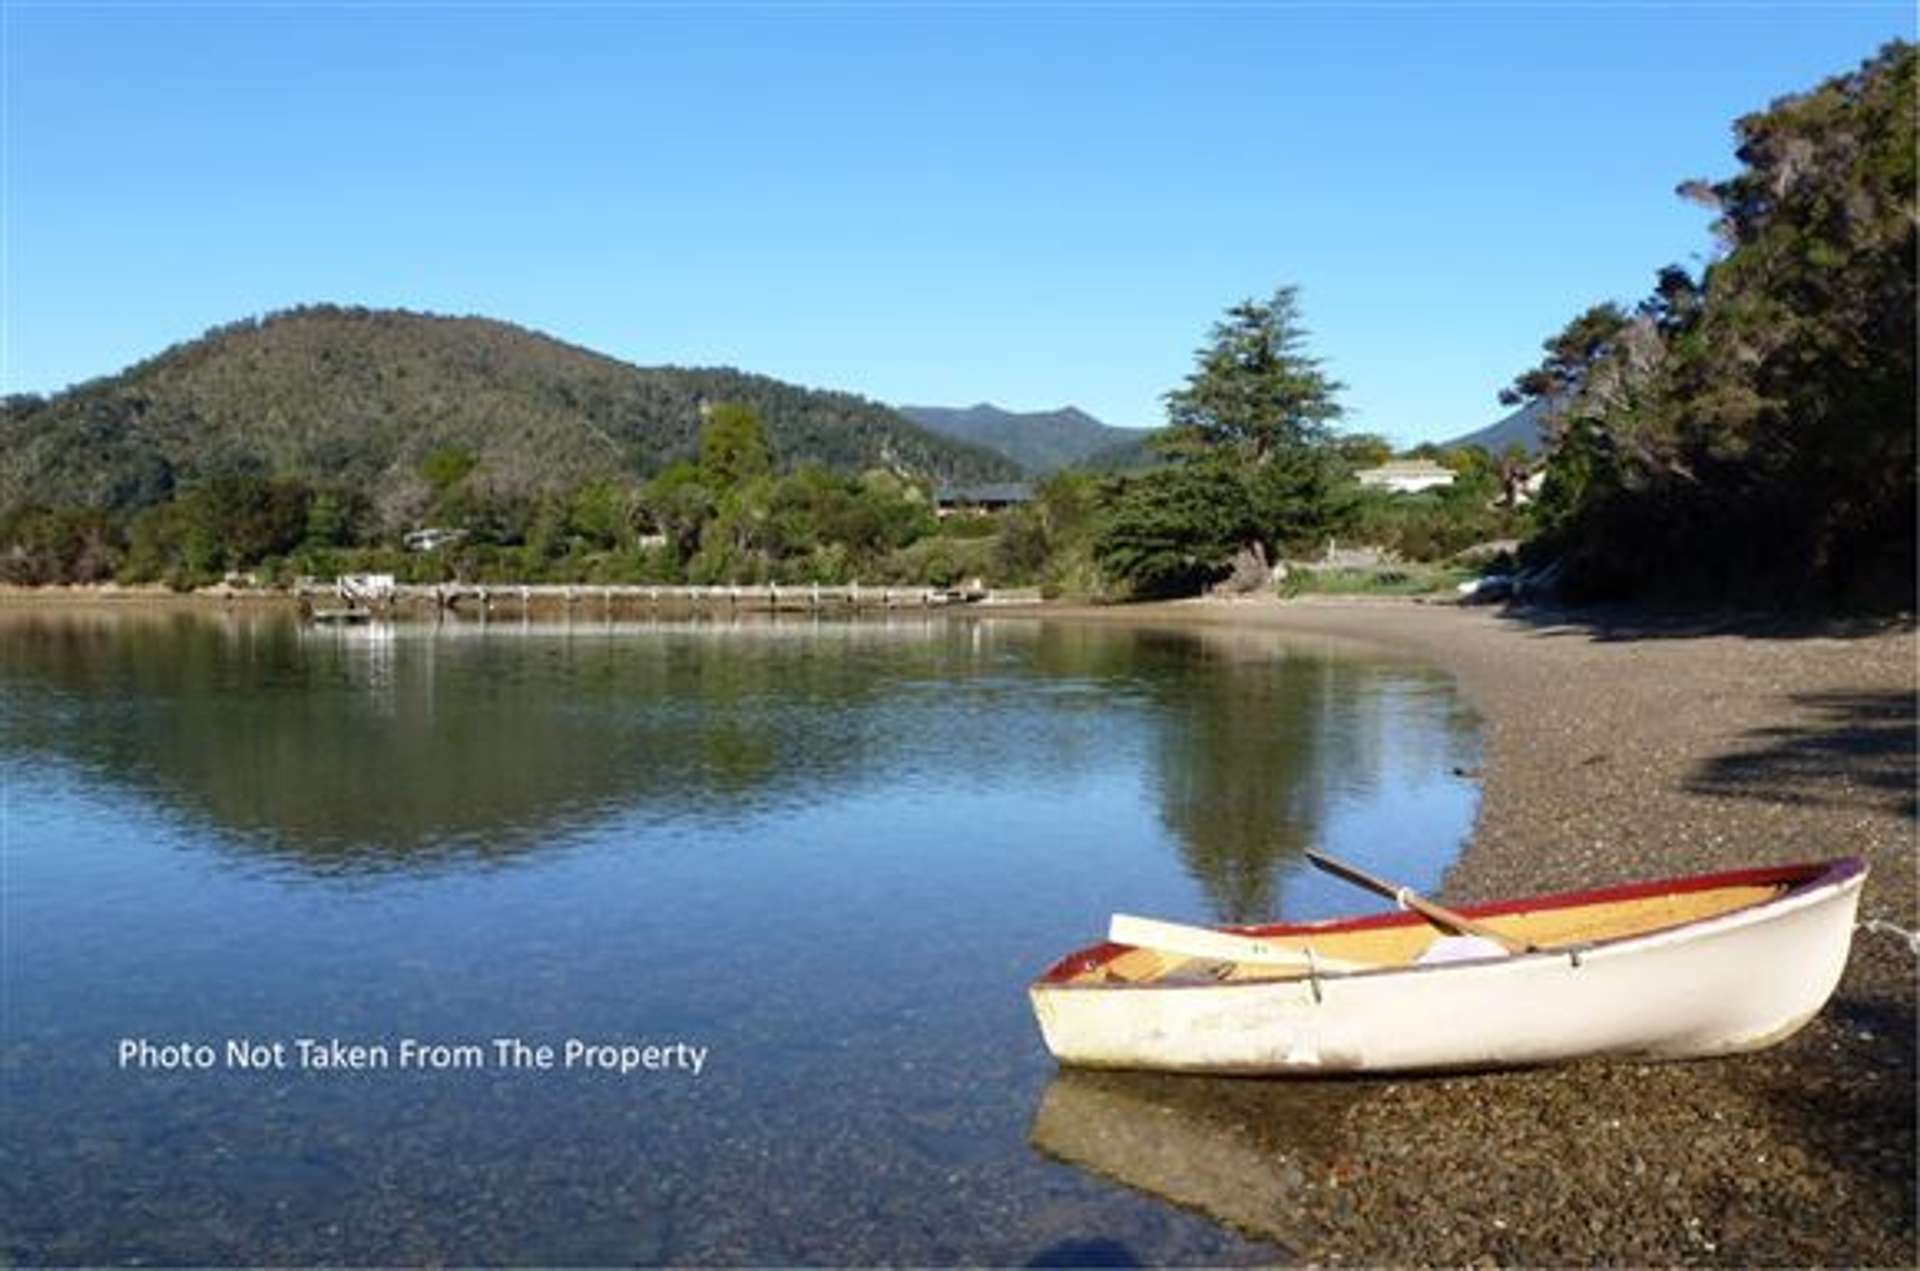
[{"x": 1620, "y": 747}]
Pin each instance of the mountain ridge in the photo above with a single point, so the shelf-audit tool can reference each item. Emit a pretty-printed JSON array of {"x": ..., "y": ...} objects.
[
  {"x": 358, "y": 397},
  {"x": 1525, "y": 427},
  {"x": 1041, "y": 442}
]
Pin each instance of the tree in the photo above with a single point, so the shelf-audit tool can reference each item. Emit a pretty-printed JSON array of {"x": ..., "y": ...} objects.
[
  {"x": 1752, "y": 433},
  {"x": 602, "y": 513},
  {"x": 447, "y": 466},
  {"x": 733, "y": 445},
  {"x": 679, "y": 501},
  {"x": 1259, "y": 467},
  {"x": 1296, "y": 498},
  {"x": 1363, "y": 449},
  {"x": 1176, "y": 528},
  {"x": 326, "y": 522},
  {"x": 69, "y": 545},
  {"x": 1253, "y": 391},
  {"x": 1800, "y": 365},
  {"x": 1571, "y": 356}
]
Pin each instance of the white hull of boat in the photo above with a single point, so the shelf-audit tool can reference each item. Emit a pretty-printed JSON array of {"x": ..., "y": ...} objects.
[{"x": 1734, "y": 983}]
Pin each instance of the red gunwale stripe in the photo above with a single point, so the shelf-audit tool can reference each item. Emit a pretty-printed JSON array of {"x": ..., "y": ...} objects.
[{"x": 1797, "y": 877}]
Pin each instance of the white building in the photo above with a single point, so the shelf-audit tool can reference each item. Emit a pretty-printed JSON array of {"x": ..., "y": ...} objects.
[
  {"x": 431, "y": 539},
  {"x": 1406, "y": 476}
]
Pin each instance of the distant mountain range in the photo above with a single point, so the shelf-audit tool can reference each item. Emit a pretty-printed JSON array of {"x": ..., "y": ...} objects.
[
  {"x": 1523, "y": 426},
  {"x": 359, "y": 397},
  {"x": 1041, "y": 442}
]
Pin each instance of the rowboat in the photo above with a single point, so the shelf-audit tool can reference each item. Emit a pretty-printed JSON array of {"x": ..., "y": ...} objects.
[{"x": 1712, "y": 964}]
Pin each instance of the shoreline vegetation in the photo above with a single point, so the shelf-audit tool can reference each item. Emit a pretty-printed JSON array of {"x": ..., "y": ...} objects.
[{"x": 1743, "y": 434}]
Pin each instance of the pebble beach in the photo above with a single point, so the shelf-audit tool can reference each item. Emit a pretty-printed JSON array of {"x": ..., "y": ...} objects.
[{"x": 1622, "y": 747}]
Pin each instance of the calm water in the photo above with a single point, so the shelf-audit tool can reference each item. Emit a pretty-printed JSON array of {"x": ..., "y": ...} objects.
[{"x": 831, "y": 854}]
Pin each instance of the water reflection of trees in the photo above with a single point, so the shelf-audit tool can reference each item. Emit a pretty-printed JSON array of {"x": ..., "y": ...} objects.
[
  {"x": 1239, "y": 778},
  {"x": 388, "y": 748},
  {"x": 1264, "y": 736},
  {"x": 367, "y": 747}
]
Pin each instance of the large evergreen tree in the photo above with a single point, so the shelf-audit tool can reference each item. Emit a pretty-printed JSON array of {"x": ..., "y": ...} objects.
[
  {"x": 1257, "y": 466},
  {"x": 1253, "y": 391}
]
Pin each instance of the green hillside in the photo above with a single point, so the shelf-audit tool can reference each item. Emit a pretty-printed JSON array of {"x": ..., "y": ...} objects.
[{"x": 359, "y": 398}]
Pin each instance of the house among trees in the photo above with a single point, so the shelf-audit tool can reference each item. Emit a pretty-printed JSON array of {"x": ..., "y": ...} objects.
[
  {"x": 995, "y": 497},
  {"x": 1406, "y": 476},
  {"x": 431, "y": 539}
]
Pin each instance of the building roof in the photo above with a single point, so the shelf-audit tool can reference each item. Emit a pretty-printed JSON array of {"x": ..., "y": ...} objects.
[
  {"x": 1408, "y": 468},
  {"x": 995, "y": 492}
]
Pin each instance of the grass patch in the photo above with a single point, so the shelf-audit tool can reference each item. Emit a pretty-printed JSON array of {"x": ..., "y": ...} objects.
[{"x": 1410, "y": 579}]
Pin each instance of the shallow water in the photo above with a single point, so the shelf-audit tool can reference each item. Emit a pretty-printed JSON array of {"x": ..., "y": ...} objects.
[{"x": 827, "y": 854}]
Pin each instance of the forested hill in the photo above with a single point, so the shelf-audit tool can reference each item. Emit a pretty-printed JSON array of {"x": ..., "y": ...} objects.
[
  {"x": 1748, "y": 433},
  {"x": 1039, "y": 441},
  {"x": 359, "y": 397}
]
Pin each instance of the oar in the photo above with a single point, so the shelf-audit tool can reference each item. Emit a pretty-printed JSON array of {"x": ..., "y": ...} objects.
[
  {"x": 1205, "y": 942},
  {"x": 1406, "y": 898}
]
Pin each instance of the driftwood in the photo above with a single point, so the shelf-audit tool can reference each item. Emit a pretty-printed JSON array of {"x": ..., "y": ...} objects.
[{"x": 1251, "y": 572}]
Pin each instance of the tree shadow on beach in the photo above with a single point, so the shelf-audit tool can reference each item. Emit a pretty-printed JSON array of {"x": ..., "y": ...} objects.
[
  {"x": 1855, "y": 746},
  {"x": 1619, "y": 623}
]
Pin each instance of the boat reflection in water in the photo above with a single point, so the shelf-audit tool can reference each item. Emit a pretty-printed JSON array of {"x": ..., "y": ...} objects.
[{"x": 1252, "y": 1154}]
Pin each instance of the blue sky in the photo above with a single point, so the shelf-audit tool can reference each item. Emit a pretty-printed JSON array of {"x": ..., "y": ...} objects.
[{"x": 942, "y": 204}]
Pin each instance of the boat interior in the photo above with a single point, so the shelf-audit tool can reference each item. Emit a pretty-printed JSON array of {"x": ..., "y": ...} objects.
[{"x": 1401, "y": 940}]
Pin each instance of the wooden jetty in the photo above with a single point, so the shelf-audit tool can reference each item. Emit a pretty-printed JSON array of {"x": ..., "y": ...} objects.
[{"x": 761, "y": 598}]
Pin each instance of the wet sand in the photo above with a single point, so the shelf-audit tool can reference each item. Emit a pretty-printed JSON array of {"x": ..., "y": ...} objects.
[{"x": 1622, "y": 747}]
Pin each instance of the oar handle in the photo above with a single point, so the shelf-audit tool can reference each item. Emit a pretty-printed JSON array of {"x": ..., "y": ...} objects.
[{"x": 1407, "y": 898}]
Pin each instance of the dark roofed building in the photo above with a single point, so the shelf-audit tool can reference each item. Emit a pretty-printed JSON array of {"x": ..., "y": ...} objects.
[{"x": 981, "y": 498}]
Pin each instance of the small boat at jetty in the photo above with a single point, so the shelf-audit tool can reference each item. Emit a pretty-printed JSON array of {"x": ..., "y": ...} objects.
[{"x": 1683, "y": 968}]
